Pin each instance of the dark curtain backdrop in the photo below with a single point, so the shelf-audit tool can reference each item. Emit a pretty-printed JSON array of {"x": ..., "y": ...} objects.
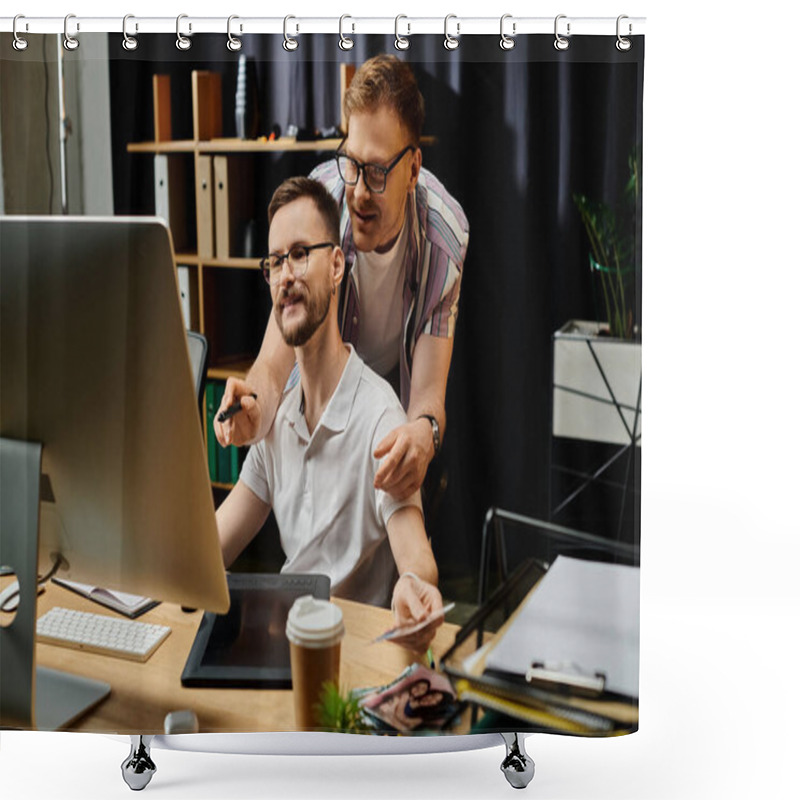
[{"x": 517, "y": 134}]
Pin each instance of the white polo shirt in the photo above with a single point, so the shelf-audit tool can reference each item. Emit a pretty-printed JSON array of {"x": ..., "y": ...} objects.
[{"x": 331, "y": 518}]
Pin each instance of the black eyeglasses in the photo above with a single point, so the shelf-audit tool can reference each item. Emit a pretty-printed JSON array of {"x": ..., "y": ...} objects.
[
  {"x": 272, "y": 265},
  {"x": 374, "y": 174}
]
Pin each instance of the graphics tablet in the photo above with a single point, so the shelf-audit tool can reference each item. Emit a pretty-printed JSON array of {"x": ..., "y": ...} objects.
[{"x": 247, "y": 647}]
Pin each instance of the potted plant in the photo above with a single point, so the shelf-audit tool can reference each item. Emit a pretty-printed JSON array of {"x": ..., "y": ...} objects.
[
  {"x": 597, "y": 365},
  {"x": 340, "y": 711}
]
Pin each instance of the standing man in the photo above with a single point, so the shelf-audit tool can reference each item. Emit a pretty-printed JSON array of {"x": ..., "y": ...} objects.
[
  {"x": 315, "y": 467},
  {"x": 404, "y": 240}
]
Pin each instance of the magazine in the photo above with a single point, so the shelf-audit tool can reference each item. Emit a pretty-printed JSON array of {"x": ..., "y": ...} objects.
[{"x": 419, "y": 700}]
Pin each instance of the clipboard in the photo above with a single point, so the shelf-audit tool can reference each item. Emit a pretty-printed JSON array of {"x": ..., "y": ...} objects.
[{"x": 562, "y": 697}]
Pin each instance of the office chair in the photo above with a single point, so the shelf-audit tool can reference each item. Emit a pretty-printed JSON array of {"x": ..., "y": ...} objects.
[{"x": 198, "y": 357}]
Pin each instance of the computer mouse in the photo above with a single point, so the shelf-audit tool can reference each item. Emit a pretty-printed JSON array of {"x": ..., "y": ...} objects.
[{"x": 9, "y": 597}]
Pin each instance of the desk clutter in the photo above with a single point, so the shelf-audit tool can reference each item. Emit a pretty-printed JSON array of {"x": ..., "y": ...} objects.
[
  {"x": 560, "y": 661},
  {"x": 564, "y": 658}
]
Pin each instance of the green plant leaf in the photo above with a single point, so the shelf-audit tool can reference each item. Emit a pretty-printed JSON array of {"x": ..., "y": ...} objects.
[
  {"x": 612, "y": 241},
  {"x": 338, "y": 712}
]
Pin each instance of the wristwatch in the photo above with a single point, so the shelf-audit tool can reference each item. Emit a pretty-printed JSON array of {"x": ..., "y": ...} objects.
[{"x": 435, "y": 429}]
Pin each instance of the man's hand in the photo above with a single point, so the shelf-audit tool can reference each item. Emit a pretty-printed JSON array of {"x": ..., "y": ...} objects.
[
  {"x": 412, "y": 601},
  {"x": 408, "y": 451},
  {"x": 241, "y": 428}
]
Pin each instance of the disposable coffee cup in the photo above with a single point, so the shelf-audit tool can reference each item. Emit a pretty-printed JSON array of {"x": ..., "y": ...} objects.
[{"x": 315, "y": 630}]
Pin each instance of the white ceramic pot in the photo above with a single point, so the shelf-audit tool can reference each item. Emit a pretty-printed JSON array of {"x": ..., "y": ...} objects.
[{"x": 596, "y": 385}]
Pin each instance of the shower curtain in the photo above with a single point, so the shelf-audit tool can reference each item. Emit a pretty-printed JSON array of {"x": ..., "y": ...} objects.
[{"x": 540, "y": 146}]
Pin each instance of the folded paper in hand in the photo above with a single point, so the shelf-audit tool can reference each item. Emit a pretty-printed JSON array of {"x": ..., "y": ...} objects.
[{"x": 406, "y": 630}]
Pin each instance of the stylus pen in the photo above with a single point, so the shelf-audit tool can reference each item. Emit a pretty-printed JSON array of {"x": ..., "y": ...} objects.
[{"x": 234, "y": 409}]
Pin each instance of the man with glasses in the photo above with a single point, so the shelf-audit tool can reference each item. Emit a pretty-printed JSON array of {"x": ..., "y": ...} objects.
[
  {"x": 404, "y": 240},
  {"x": 315, "y": 467}
]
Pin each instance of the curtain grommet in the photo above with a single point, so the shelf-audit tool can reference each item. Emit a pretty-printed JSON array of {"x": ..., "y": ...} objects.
[
  {"x": 623, "y": 44},
  {"x": 129, "y": 43},
  {"x": 19, "y": 44},
  {"x": 561, "y": 42},
  {"x": 451, "y": 42},
  {"x": 401, "y": 42},
  {"x": 70, "y": 42},
  {"x": 289, "y": 44},
  {"x": 507, "y": 42},
  {"x": 233, "y": 44},
  {"x": 345, "y": 42},
  {"x": 182, "y": 42}
]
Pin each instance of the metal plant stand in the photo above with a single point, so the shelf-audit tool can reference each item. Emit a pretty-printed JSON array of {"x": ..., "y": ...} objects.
[{"x": 633, "y": 439}]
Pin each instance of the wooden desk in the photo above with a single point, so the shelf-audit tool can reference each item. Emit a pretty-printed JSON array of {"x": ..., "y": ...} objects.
[{"x": 143, "y": 694}]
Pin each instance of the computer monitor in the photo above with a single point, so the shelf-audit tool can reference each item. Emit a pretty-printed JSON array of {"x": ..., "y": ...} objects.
[{"x": 94, "y": 364}]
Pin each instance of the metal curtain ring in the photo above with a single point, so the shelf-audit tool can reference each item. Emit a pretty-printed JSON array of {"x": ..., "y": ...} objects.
[
  {"x": 450, "y": 42},
  {"x": 401, "y": 42},
  {"x": 182, "y": 42},
  {"x": 70, "y": 42},
  {"x": 623, "y": 44},
  {"x": 345, "y": 42},
  {"x": 233, "y": 43},
  {"x": 19, "y": 43},
  {"x": 128, "y": 42},
  {"x": 507, "y": 42},
  {"x": 561, "y": 43},
  {"x": 289, "y": 44}
]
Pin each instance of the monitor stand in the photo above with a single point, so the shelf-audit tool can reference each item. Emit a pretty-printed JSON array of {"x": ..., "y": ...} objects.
[{"x": 33, "y": 698}]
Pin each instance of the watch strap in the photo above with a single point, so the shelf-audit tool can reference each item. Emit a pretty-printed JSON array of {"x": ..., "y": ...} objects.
[{"x": 435, "y": 428}]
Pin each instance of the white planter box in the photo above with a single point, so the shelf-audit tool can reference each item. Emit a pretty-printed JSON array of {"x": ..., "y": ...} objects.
[{"x": 590, "y": 373}]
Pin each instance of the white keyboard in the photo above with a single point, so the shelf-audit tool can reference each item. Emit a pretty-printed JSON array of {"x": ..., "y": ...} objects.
[{"x": 100, "y": 633}]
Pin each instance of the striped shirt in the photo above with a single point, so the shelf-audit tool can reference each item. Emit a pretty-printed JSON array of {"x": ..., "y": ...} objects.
[{"x": 434, "y": 261}]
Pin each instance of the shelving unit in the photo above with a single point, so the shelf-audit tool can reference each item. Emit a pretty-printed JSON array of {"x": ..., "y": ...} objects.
[
  {"x": 208, "y": 191},
  {"x": 207, "y": 228},
  {"x": 226, "y": 145}
]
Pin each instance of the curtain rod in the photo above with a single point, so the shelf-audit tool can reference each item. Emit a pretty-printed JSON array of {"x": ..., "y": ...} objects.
[{"x": 452, "y": 26}]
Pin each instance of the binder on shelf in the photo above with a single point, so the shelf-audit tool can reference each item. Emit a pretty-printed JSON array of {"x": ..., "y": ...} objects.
[
  {"x": 234, "y": 201},
  {"x": 169, "y": 173},
  {"x": 234, "y": 453},
  {"x": 185, "y": 288},
  {"x": 205, "y": 207},
  {"x": 162, "y": 108},
  {"x": 206, "y": 105},
  {"x": 211, "y": 439},
  {"x": 223, "y": 454},
  {"x": 161, "y": 180}
]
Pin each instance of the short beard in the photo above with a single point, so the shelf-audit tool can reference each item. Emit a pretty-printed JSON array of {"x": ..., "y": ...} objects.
[{"x": 317, "y": 307}]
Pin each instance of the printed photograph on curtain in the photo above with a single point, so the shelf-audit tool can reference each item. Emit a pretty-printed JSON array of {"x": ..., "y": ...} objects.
[{"x": 320, "y": 404}]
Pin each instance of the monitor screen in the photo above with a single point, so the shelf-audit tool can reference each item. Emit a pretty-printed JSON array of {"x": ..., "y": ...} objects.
[{"x": 94, "y": 365}]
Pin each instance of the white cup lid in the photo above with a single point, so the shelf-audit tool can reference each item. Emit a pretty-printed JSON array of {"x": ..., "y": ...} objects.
[{"x": 314, "y": 623}]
